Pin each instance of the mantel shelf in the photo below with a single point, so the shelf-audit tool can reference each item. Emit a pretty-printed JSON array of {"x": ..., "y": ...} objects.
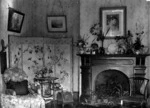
[{"x": 113, "y": 55}]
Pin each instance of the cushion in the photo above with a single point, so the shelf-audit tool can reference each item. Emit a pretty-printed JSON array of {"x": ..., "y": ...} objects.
[
  {"x": 10, "y": 92},
  {"x": 21, "y": 88},
  {"x": 14, "y": 74}
]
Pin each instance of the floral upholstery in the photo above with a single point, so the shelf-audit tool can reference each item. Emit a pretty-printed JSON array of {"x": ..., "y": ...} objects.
[
  {"x": 28, "y": 101},
  {"x": 11, "y": 100},
  {"x": 14, "y": 74}
]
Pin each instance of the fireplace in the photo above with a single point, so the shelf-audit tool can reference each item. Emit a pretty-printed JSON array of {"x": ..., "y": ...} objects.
[
  {"x": 111, "y": 83},
  {"x": 108, "y": 75}
]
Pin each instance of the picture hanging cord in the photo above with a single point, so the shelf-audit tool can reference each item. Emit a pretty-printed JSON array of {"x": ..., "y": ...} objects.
[
  {"x": 121, "y": 3},
  {"x": 59, "y": 4},
  {"x": 106, "y": 2}
]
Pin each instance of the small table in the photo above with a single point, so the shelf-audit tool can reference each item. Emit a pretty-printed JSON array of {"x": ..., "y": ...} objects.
[
  {"x": 49, "y": 99},
  {"x": 51, "y": 83}
]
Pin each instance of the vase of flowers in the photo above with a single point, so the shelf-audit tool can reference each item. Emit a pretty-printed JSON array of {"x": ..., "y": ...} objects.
[
  {"x": 96, "y": 30},
  {"x": 129, "y": 43},
  {"x": 138, "y": 46},
  {"x": 81, "y": 44},
  {"x": 139, "y": 32},
  {"x": 43, "y": 72}
]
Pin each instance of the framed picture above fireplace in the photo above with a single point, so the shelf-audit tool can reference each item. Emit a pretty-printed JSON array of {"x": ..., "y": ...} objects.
[{"x": 113, "y": 21}]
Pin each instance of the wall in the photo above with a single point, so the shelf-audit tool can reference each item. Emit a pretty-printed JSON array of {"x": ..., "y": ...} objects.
[
  {"x": 35, "y": 22},
  {"x": 137, "y": 12}
]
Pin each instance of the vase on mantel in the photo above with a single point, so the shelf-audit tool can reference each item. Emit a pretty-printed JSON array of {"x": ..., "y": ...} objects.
[
  {"x": 102, "y": 49},
  {"x": 138, "y": 46}
]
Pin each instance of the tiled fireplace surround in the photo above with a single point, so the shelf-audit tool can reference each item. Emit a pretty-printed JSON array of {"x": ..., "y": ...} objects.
[{"x": 92, "y": 67}]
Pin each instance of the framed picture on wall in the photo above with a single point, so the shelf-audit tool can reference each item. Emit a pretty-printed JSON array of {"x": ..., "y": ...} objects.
[
  {"x": 57, "y": 23},
  {"x": 113, "y": 21},
  {"x": 15, "y": 20}
]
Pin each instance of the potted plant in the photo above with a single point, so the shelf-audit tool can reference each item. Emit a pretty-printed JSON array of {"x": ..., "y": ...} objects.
[
  {"x": 138, "y": 46},
  {"x": 81, "y": 44}
]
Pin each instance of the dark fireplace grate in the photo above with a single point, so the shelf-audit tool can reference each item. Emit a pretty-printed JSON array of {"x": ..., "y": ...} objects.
[{"x": 111, "y": 83}]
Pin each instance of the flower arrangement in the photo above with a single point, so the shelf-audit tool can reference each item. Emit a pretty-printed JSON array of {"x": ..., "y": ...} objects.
[
  {"x": 125, "y": 45},
  {"x": 96, "y": 30},
  {"x": 82, "y": 43},
  {"x": 44, "y": 72},
  {"x": 137, "y": 45}
]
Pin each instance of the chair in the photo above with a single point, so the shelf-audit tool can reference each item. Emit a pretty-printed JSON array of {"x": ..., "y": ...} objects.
[
  {"x": 65, "y": 99},
  {"x": 19, "y": 92},
  {"x": 138, "y": 93}
]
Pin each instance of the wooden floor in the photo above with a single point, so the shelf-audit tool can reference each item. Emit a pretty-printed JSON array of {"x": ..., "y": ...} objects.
[
  {"x": 59, "y": 106},
  {"x": 51, "y": 105},
  {"x": 80, "y": 106}
]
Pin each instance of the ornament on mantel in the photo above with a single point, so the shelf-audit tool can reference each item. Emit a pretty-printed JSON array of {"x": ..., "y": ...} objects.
[
  {"x": 81, "y": 44},
  {"x": 137, "y": 45}
]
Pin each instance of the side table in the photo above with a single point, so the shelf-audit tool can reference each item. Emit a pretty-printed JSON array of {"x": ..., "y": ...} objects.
[
  {"x": 50, "y": 97},
  {"x": 47, "y": 80}
]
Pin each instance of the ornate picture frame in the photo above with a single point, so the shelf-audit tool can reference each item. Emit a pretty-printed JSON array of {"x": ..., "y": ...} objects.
[
  {"x": 113, "y": 21},
  {"x": 15, "y": 20},
  {"x": 57, "y": 23}
]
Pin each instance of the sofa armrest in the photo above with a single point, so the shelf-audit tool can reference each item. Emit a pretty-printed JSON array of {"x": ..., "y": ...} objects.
[{"x": 10, "y": 92}]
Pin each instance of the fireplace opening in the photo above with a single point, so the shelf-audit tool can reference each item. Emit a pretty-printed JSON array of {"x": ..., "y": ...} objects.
[{"x": 111, "y": 83}]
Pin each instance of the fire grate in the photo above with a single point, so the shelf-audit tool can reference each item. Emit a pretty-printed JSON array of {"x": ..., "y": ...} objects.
[{"x": 111, "y": 83}]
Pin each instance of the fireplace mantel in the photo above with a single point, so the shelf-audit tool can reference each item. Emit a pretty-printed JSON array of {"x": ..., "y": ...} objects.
[
  {"x": 113, "y": 55},
  {"x": 87, "y": 59},
  {"x": 131, "y": 65}
]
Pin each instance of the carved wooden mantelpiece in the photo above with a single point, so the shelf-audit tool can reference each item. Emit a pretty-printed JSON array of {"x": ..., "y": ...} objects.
[{"x": 92, "y": 65}]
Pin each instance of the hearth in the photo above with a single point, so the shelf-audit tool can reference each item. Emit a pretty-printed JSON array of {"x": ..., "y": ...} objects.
[
  {"x": 111, "y": 83},
  {"x": 107, "y": 76}
]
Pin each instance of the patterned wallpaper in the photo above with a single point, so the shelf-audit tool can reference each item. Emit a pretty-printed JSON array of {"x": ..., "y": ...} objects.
[{"x": 33, "y": 53}]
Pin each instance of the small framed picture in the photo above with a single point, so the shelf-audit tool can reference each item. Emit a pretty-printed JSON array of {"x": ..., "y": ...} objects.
[
  {"x": 113, "y": 21},
  {"x": 57, "y": 23},
  {"x": 15, "y": 20}
]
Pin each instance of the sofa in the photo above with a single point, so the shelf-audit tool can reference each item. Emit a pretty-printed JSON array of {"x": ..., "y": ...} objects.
[{"x": 20, "y": 93}]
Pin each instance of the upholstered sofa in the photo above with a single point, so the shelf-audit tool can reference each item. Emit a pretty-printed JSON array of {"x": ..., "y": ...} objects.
[{"x": 19, "y": 92}]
